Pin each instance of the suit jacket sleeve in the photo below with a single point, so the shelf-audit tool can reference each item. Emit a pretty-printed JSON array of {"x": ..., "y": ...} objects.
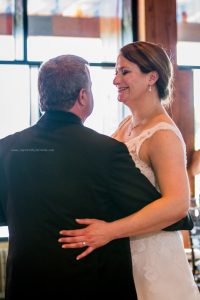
[{"x": 131, "y": 190}]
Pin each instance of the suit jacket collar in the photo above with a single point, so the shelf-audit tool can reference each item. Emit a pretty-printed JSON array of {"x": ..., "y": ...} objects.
[{"x": 58, "y": 118}]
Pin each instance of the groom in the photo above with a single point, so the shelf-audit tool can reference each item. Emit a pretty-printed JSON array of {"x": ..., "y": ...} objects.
[{"x": 58, "y": 170}]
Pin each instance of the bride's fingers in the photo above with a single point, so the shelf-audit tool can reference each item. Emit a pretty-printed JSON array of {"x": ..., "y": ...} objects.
[
  {"x": 74, "y": 232},
  {"x": 76, "y": 239},
  {"x": 85, "y": 253},
  {"x": 74, "y": 245},
  {"x": 86, "y": 221},
  {"x": 79, "y": 245}
]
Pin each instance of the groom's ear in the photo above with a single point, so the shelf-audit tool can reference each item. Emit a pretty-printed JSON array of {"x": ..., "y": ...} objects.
[{"x": 82, "y": 97}]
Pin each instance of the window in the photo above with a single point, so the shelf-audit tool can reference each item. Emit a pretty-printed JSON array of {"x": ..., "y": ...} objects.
[
  {"x": 60, "y": 27},
  {"x": 14, "y": 95},
  {"x": 188, "y": 29},
  {"x": 7, "y": 40},
  {"x": 107, "y": 111},
  {"x": 188, "y": 49}
]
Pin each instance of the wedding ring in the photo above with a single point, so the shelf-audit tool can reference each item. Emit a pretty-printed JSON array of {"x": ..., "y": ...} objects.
[{"x": 84, "y": 244}]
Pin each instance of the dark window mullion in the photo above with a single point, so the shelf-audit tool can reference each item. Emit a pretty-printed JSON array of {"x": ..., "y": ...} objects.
[
  {"x": 20, "y": 30},
  {"x": 25, "y": 26},
  {"x": 129, "y": 21}
]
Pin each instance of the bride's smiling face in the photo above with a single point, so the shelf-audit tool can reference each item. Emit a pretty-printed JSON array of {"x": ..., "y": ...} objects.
[{"x": 131, "y": 83}]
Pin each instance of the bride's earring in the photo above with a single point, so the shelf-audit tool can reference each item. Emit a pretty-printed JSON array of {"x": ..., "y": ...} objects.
[{"x": 149, "y": 88}]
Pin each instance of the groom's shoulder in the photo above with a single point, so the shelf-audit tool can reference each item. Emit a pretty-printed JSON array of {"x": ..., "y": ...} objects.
[{"x": 102, "y": 139}]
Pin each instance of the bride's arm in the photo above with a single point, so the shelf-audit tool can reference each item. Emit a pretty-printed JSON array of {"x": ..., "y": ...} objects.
[{"x": 168, "y": 163}]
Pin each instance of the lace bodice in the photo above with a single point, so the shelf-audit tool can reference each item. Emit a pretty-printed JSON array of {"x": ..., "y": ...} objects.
[{"x": 134, "y": 145}]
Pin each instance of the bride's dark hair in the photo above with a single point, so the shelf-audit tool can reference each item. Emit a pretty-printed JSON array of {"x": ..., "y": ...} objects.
[{"x": 151, "y": 57}]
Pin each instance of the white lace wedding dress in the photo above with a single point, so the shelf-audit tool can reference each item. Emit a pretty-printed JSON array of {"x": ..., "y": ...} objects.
[{"x": 160, "y": 267}]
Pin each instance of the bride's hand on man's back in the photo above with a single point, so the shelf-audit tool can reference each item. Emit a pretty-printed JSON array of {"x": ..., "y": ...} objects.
[{"x": 94, "y": 235}]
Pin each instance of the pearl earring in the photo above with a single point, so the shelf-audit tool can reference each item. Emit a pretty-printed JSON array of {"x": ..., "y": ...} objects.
[{"x": 149, "y": 88}]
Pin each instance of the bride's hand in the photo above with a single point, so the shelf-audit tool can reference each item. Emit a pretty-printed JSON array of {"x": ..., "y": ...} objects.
[{"x": 95, "y": 235}]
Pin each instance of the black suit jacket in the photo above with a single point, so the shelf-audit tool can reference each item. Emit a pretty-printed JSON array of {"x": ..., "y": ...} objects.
[{"x": 50, "y": 174}]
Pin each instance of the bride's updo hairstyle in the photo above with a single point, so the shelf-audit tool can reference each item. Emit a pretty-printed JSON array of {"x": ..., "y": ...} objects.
[{"x": 151, "y": 57}]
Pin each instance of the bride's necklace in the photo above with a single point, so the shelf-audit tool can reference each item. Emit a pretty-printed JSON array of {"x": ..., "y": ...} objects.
[{"x": 133, "y": 126}]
